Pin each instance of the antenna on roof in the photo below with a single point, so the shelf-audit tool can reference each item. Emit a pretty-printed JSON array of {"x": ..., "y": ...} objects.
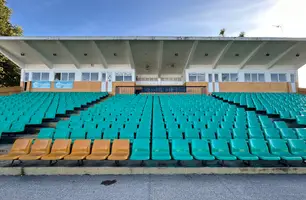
[{"x": 280, "y": 27}]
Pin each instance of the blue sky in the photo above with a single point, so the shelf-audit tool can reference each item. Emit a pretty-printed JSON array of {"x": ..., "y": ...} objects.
[
  {"x": 258, "y": 18},
  {"x": 135, "y": 17}
]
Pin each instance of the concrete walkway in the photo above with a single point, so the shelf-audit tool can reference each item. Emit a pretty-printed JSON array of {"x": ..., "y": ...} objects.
[{"x": 154, "y": 187}]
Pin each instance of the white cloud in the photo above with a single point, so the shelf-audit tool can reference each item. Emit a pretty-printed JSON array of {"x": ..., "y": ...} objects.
[{"x": 266, "y": 18}]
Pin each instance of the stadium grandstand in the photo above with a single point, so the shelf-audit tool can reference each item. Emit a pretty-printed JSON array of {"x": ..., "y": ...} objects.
[{"x": 155, "y": 101}]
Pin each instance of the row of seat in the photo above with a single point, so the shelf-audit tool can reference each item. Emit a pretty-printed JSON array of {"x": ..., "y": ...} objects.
[
  {"x": 288, "y": 106},
  {"x": 42, "y": 149},
  {"x": 188, "y": 134},
  {"x": 17, "y": 111},
  {"x": 142, "y": 149}
]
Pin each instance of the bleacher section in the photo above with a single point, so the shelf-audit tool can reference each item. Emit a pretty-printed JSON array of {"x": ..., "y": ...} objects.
[
  {"x": 170, "y": 127},
  {"x": 17, "y": 111},
  {"x": 288, "y": 106}
]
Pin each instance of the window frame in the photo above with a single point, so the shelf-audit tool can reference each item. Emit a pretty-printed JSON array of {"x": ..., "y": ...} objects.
[
  {"x": 254, "y": 77},
  {"x": 40, "y": 78},
  {"x": 68, "y": 76},
  {"x": 89, "y": 76},
  {"x": 278, "y": 77},
  {"x": 197, "y": 77}
]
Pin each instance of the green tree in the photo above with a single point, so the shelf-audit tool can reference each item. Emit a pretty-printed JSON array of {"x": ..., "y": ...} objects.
[
  {"x": 241, "y": 34},
  {"x": 9, "y": 72},
  {"x": 222, "y": 32}
]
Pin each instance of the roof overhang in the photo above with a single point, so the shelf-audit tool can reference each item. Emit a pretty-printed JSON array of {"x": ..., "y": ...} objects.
[{"x": 160, "y": 55}]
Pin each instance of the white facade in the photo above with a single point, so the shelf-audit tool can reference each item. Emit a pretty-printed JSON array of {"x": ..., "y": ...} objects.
[{"x": 157, "y": 60}]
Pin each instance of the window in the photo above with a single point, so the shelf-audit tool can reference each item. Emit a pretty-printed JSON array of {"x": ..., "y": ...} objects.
[
  {"x": 57, "y": 76},
  {"x": 103, "y": 77},
  {"x": 261, "y": 78},
  {"x": 278, "y": 78},
  {"x": 192, "y": 77},
  {"x": 196, "y": 77},
  {"x": 26, "y": 76},
  {"x": 45, "y": 76},
  {"x": 210, "y": 78},
  {"x": 292, "y": 78},
  {"x": 216, "y": 77},
  {"x": 64, "y": 76},
  {"x": 274, "y": 77},
  {"x": 35, "y": 76},
  {"x": 38, "y": 76},
  {"x": 225, "y": 77},
  {"x": 90, "y": 76},
  {"x": 201, "y": 77},
  {"x": 234, "y": 77},
  {"x": 247, "y": 77},
  {"x": 71, "y": 76},
  {"x": 94, "y": 76},
  {"x": 254, "y": 77},
  {"x": 85, "y": 76},
  {"x": 126, "y": 76},
  {"x": 282, "y": 78},
  {"x": 119, "y": 77}
]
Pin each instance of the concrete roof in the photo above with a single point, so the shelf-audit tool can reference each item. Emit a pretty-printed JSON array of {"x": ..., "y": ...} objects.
[{"x": 157, "y": 55}]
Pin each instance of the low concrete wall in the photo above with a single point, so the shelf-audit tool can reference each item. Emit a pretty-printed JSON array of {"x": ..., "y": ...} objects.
[
  {"x": 302, "y": 90},
  {"x": 10, "y": 90},
  {"x": 146, "y": 170}
]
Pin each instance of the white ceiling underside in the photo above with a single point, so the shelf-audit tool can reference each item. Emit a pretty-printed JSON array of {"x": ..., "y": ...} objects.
[{"x": 157, "y": 56}]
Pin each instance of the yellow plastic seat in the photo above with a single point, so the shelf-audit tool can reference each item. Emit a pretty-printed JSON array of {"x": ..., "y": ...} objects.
[
  {"x": 80, "y": 149},
  {"x": 40, "y": 148},
  {"x": 19, "y": 148},
  {"x": 100, "y": 150},
  {"x": 120, "y": 150},
  {"x": 59, "y": 150}
]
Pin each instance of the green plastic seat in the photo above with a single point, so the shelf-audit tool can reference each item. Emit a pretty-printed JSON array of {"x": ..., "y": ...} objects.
[
  {"x": 287, "y": 133},
  {"x": 175, "y": 133},
  {"x": 93, "y": 134},
  {"x": 62, "y": 133},
  {"x": 46, "y": 133},
  {"x": 208, "y": 134},
  {"x": 279, "y": 148},
  {"x": 280, "y": 124},
  {"x": 62, "y": 124},
  {"x": 159, "y": 132},
  {"x": 255, "y": 133},
  {"x": 297, "y": 147},
  {"x": 143, "y": 133},
  {"x": 224, "y": 134},
  {"x": 126, "y": 134},
  {"x": 301, "y": 120},
  {"x": 301, "y": 133},
  {"x": 191, "y": 134},
  {"x": 271, "y": 133},
  {"x": 240, "y": 133},
  {"x": 5, "y": 127},
  {"x": 111, "y": 133},
  {"x": 200, "y": 150},
  {"x": 78, "y": 134},
  {"x": 240, "y": 149},
  {"x": 140, "y": 149},
  {"x": 259, "y": 148},
  {"x": 220, "y": 149},
  {"x": 160, "y": 149},
  {"x": 180, "y": 150},
  {"x": 17, "y": 127}
]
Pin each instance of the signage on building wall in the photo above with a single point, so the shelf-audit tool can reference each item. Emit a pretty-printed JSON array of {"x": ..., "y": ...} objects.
[
  {"x": 63, "y": 84},
  {"x": 41, "y": 84}
]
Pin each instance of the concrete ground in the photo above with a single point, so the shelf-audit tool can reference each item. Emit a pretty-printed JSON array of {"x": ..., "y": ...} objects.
[{"x": 151, "y": 187}]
